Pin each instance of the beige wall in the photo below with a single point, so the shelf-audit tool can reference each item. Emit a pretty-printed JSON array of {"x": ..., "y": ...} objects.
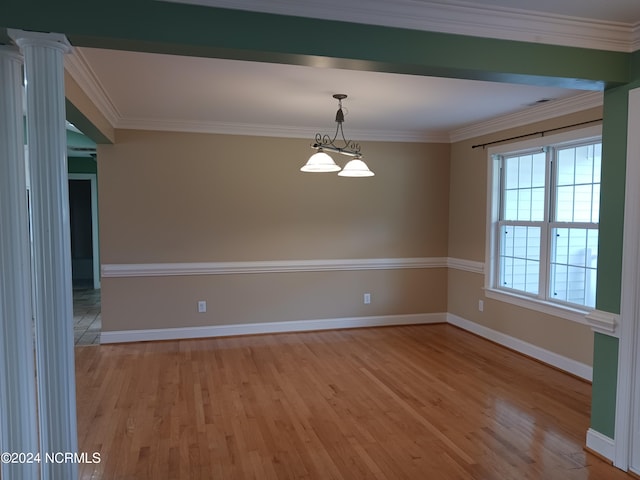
[
  {"x": 564, "y": 337},
  {"x": 183, "y": 197},
  {"x": 467, "y": 232},
  {"x": 170, "y": 302}
]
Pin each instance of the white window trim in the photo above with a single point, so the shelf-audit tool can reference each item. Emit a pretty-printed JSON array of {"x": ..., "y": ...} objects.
[{"x": 576, "y": 314}]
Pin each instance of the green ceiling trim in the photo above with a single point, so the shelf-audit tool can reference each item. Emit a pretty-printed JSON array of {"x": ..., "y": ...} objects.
[{"x": 155, "y": 26}]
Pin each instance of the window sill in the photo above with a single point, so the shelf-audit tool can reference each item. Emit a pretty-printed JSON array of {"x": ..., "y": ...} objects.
[{"x": 568, "y": 313}]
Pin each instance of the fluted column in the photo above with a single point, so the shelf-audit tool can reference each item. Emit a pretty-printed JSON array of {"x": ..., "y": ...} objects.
[
  {"x": 18, "y": 414},
  {"x": 53, "y": 303}
]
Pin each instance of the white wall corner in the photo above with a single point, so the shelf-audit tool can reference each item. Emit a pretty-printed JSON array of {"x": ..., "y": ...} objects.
[
  {"x": 603, "y": 322},
  {"x": 600, "y": 444}
]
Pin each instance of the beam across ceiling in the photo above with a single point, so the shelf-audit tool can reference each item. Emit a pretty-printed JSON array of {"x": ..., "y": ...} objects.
[{"x": 160, "y": 27}]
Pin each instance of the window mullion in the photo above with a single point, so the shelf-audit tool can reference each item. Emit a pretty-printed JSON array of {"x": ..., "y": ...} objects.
[
  {"x": 545, "y": 232},
  {"x": 496, "y": 281}
]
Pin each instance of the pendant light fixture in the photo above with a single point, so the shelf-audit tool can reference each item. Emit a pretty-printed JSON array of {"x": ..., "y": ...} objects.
[{"x": 322, "y": 162}]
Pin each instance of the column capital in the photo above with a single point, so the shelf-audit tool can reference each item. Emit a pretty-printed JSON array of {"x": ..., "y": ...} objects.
[
  {"x": 11, "y": 52},
  {"x": 24, "y": 38}
]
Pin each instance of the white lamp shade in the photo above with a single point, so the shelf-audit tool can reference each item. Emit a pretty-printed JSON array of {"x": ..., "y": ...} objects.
[
  {"x": 320, "y": 162},
  {"x": 356, "y": 168}
]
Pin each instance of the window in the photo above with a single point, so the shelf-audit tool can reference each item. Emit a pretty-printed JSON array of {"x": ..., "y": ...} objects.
[{"x": 544, "y": 229}]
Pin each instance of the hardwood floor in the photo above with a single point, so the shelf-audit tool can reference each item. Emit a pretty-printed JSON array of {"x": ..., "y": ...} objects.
[{"x": 415, "y": 402}]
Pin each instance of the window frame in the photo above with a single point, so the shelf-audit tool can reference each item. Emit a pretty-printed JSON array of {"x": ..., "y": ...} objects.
[{"x": 540, "y": 302}]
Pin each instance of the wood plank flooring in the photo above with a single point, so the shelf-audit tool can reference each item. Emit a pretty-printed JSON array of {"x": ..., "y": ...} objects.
[{"x": 415, "y": 402}]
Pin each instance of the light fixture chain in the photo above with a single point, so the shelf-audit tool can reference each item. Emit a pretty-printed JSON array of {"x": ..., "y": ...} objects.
[{"x": 321, "y": 162}]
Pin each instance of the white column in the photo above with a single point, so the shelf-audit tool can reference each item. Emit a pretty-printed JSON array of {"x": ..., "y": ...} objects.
[
  {"x": 18, "y": 414},
  {"x": 53, "y": 303}
]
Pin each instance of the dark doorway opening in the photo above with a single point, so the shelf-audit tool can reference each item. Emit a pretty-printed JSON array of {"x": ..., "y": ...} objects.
[{"x": 80, "y": 218}]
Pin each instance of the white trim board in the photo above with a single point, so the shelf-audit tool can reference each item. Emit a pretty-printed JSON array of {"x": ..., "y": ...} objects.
[
  {"x": 627, "y": 414},
  {"x": 563, "y": 363},
  {"x": 284, "y": 266},
  {"x": 123, "y": 336},
  {"x": 77, "y": 66},
  {"x": 600, "y": 444},
  {"x": 550, "y": 358},
  {"x": 466, "y": 265},
  {"x": 284, "y": 131}
]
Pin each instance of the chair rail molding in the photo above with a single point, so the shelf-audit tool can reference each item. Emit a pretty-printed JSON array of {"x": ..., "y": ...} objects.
[
  {"x": 604, "y": 322},
  {"x": 282, "y": 266}
]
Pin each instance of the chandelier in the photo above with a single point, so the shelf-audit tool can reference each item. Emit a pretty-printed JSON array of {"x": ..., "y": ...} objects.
[{"x": 322, "y": 162}]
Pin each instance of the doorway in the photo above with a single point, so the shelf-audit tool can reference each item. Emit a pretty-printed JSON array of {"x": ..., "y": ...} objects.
[{"x": 83, "y": 219}]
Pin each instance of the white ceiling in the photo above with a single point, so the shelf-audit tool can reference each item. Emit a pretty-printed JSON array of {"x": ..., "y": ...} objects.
[{"x": 140, "y": 90}]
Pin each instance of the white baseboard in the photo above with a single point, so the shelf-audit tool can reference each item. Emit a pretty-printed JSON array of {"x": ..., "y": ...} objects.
[
  {"x": 600, "y": 444},
  {"x": 124, "y": 336},
  {"x": 563, "y": 363}
]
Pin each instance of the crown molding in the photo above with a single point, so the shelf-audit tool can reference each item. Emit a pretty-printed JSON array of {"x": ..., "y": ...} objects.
[
  {"x": 178, "y": 125},
  {"x": 459, "y": 18},
  {"x": 80, "y": 70},
  {"x": 538, "y": 113},
  {"x": 190, "y": 126},
  {"x": 77, "y": 66},
  {"x": 635, "y": 37}
]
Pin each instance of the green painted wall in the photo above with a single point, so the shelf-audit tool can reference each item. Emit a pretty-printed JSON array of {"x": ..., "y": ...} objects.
[
  {"x": 82, "y": 165},
  {"x": 614, "y": 154},
  {"x": 605, "y": 371}
]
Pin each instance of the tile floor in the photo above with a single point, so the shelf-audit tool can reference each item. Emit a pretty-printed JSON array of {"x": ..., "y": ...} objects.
[{"x": 87, "y": 318}]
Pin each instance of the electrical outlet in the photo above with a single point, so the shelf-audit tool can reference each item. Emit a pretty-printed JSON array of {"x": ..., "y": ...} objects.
[
  {"x": 367, "y": 298},
  {"x": 202, "y": 306},
  {"x": 481, "y": 305}
]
